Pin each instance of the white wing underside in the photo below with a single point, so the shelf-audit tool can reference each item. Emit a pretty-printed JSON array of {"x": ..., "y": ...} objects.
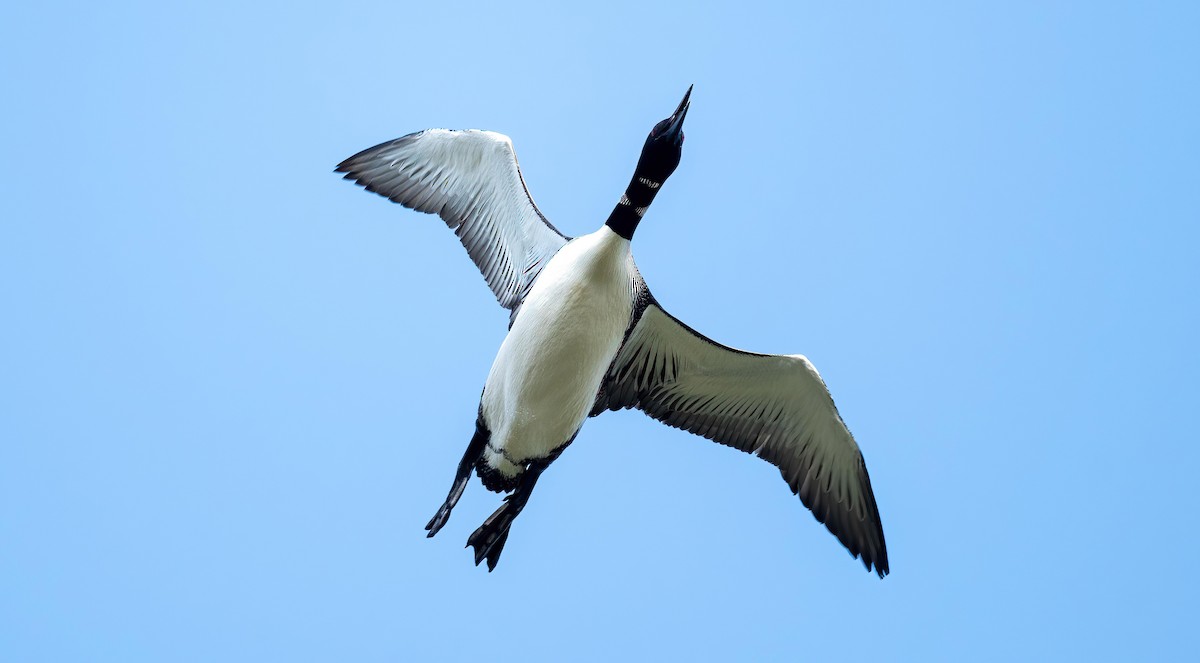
[
  {"x": 773, "y": 406},
  {"x": 472, "y": 181}
]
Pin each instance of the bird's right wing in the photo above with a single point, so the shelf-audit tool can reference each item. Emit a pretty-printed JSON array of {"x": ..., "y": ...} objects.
[
  {"x": 773, "y": 406},
  {"x": 471, "y": 180}
]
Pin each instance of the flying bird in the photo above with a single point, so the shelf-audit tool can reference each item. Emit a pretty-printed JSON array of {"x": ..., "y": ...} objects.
[{"x": 587, "y": 336}]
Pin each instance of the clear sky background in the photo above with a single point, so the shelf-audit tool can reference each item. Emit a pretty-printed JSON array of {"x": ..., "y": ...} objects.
[{"x": 233, "y": 387}]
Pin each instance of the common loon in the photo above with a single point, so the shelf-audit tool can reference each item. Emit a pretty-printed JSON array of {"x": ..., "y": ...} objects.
[{"x": 586, "y": 336}]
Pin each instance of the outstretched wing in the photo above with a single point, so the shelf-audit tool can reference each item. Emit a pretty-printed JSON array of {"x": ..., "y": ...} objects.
[
  {"x": 774, "y": 406},
  {"x": 471, "y": 180}
]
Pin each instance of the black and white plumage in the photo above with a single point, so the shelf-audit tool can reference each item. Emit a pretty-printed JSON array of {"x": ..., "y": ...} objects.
[
  {"x": 587, "y": 336},
  {"x": 470, "y": 179}
]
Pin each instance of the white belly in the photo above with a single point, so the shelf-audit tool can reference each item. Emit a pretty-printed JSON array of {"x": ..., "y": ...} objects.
[{"x": 545, "y": 378}]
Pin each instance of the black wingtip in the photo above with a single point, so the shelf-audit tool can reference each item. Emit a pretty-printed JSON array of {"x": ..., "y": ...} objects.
[
  {"x": 347, "y": 164},
  {"x": 879, "y": 566}
]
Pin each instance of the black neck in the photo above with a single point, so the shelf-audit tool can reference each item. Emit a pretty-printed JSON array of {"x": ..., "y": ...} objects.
[{"x": 638, "y": 196}]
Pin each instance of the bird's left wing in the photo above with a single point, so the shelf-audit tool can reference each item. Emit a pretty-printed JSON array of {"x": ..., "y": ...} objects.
[
  {"x": 471, "y": 180},
  {"x": 774, "y": 406}
]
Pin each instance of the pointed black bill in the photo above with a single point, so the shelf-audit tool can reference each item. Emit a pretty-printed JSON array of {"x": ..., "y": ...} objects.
[{"x": 675, "y": 128}]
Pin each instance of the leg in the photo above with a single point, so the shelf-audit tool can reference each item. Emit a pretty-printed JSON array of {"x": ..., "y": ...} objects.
[
  {"x": 474, "y": 451},
  {"x": 489, "y": 539}
]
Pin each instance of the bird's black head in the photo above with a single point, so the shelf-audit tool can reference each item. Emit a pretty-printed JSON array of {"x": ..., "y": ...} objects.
[
  {"x": 660, "y": 157},
  {"x": 664, "y": 145}
]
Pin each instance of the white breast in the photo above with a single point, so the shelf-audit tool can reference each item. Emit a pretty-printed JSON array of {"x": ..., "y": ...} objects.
[{"x": 544, "y": 380}]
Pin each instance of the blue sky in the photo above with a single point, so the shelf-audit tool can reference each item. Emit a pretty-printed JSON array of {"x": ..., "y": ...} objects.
[{"x": 235, "y": 387}]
